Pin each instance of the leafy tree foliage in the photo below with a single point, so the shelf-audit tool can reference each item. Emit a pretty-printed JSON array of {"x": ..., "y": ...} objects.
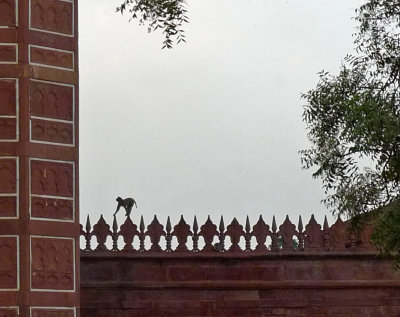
[
  {"x": 353, "y": 123},
  {"x": 166, "y": 15}
]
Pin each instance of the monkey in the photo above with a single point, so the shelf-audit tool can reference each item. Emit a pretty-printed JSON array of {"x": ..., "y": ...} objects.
[{"x": 127, "y": 203}]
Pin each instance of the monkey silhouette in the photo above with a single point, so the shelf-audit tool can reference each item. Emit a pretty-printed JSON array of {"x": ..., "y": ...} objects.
[{"x": 127, "y": 204}]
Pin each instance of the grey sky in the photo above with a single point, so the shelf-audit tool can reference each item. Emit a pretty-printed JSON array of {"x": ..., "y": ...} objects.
[{"x": 212, "y": 126}]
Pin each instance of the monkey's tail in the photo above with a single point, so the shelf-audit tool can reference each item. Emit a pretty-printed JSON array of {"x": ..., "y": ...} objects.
[{"x": 134, "y": 202}]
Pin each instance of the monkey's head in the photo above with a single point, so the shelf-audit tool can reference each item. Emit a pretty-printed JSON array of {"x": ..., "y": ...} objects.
[{"x": 119, "y": 199}]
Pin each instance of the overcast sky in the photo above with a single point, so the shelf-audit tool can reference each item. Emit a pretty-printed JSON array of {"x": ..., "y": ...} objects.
[{"x": 212, "y": 126}]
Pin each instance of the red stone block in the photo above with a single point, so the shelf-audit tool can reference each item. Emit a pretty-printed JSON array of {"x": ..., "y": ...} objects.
[
  {"x": 7, "y": 13},
  {"x": 8, "y": 99},
  {"x": 51, "y": 178},
  {"x": 225, "y": 274},
  {"x": 52, "y": 208},
  {"x": 8, "y": 206},
  {"x": 51, "y": 57},
  {"x": 8, "y": 128},
  {"x": 50, "y": 131},
  {"x": 52, "y": 16},
  {"x": 52, "y": 264},
  {"x": 48, "y": 312},
  {"x": 8, "y": 312},
  {"x": 8, "y": 176},
  {"x": 51, "y": 101},
  {"x": 8, "y": 53},
  {"x": 8, "y": 262}
]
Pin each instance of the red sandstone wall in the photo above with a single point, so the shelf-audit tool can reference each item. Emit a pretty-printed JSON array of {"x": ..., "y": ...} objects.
[
  {"x": 39, "y": 246},
  {"x": 128, "y": 285},
  {"x": 134, "y": 270}
]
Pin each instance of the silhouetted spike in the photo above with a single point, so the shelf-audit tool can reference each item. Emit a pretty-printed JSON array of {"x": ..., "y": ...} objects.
[
  {"x": 221, "y": 225},
  {"x": 247, "y": 236},
  {"x": 141, "y": 235},
  {"x": 300, "y": 226},
  {"x": 273, "y": 224},
  {"x": 155, "y": 219},
  {"x": 88, "y": 226},
  {"x": 115, "y": 234},
  {"x": 115, "y": 225},
  {"x": 312, "y": 218},
  {"x": 195, "y": 225},
  {"x": 274, "y": 236},
  {"x": 195, "y": 236},
  {"x": 300, "y": 236},
  {"x": 326, "y": 226},
  {"x": 220, "y": 247},
  {"x": 168, "y": 227},
  {"x": 168, "y": 236},
  {"x": 141, "y": 226},
  {"x": 287, "y": 218},
  {"x": 88, "y": 234}
]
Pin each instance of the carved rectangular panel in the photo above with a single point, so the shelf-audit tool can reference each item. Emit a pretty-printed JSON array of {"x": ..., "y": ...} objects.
[
  {"x": 53, "y": 132},
  {"x": 61, "y": 209},
  {"x": 8, "y": 53},
  {"x": 8, "y": 311},
  {"x": 49, "y": 100},
  {"x": 8, "y": 262},
  {"x": 8, "y": 206},
  {"x": 8, "y": 128},
  {"x": 8, "y": 187},
  {"x": 52, "y": 178},
  {"x": 8, "y": 97},
  {"x": 8, "y": 175},
  {"x": 53, "y": 16},
  {"x": 52, "y": 312},
  {"x": 52, "y": 263},
  {"x": 8, "y": 110},
  {"x": 8, "y": 14},
  {"x": 45, "y": 56}
]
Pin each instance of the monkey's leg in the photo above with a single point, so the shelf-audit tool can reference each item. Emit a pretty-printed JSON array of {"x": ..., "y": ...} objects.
[
  {"x": 128, "y": 210},
  {"x": 117, "y": 209}
]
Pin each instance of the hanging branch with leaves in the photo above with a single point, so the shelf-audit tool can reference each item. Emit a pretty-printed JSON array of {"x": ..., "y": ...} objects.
[{"x": 166, "y": 15}]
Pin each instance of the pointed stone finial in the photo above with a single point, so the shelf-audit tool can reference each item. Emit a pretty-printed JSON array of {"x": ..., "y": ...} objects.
[
  {"x": 247, "y": 224},
  {"x": 168, "y": 227},
  {"x": 141, "y": 226},
  {"x": 300, "y": 226},
  {"x": 195, "y": 225},
  {"x": 88, "y": 227},
  {"x": 274, "y": 225},
  {"x": 115, "y": 225},
  {"x": 221, "y": 225},
  {"x": 326, "y": 226}
]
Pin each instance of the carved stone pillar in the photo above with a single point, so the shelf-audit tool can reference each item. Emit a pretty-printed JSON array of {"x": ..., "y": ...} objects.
[{"x": 39, "y": 220}]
